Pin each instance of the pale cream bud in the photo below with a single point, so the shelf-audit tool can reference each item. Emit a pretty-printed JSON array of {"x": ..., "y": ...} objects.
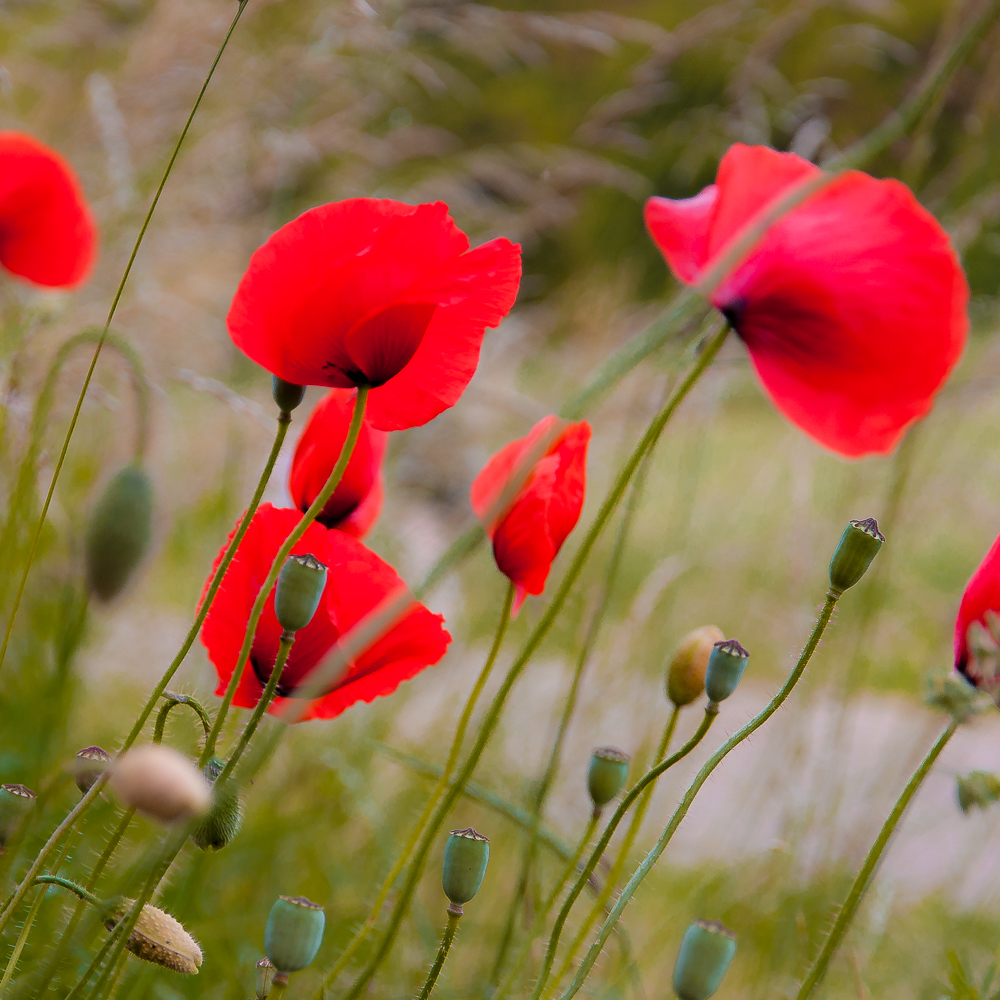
[
  {"x": 160, "y": 938},
  {"x": 160, "y": 783}
]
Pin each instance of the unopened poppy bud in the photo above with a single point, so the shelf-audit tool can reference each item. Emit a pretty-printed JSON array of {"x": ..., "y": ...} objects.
[
  {"x": 606, "y": 775},
  {"x": 293, "y": 934},
  {"x": 977, "y": 789},
  {"x": 686, "y": 672},
  {"x": 160, "y": 783},
  {"x": 950, "y": 692},
  {"x": 90, "y": 764},
  {"x": 16, "y": 802},
  {"x": 119, "y": 532},
  {"x": 300, "y": 587},
  {"x": 726, "y": 665},
  {"x": 225, "y": 815},
  {"x": 706, "y": 953},
  {"x": 465, "y": 858},
  {"x": 159, "y": 938},
  {"x": 287, "y": 395},
  {"x": 858, "y": 546},
  {"x": 265, "y": 979}
]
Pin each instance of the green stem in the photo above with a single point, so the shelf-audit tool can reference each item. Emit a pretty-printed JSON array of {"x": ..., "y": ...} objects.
[
  {"x": 22, "y": 939},
  {"x": 685, "y": 804},
  {"x": 85, "y": 896},
  {"x": 446, "y": 940},
  {"x": 868, "y": 869},
  {"x": 95, "y": 962},
  {"x": 173, "y": 700}
]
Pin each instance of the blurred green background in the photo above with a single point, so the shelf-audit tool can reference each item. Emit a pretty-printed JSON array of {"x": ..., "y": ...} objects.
[{"x": 549, "y": 124}]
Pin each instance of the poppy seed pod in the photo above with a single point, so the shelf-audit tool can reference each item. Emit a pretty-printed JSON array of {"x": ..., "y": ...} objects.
[
  {"x": 293, "y": 933},
  {"x": 89, "y": 765},
  {"x": 858, "y": 546},
  {"x": 161, "y": 784},
  {"x": 977, "y": 789},
  {"x": 299, "y": 590},
  {"x": 706, "y": 953},
  {"x": 225, "y": 815},
  {"x": 15, "y": 803},
  {"x": 264, "y": 980},
  {"x": 686, "y": 671},
  {"x": 726, "y": 665},
  {"x": 287, "y": 395},
  {"x": 159, "y": 938},
  {"x": 606, "y": 775},
  {"x": 465, "y": 858}
]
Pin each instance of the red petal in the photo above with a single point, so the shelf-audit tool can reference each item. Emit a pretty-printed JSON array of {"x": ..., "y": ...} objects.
[
  {"x": 382, "y": 345},
  {"x": 982, "y": 594},
  {"x": 47, "y": 232},
  {"x": 680, "y": 228}
]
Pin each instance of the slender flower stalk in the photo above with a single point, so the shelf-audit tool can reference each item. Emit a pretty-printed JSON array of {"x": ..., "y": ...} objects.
[
  {"x": 446, "y": 941},
  {"x": 689, "y": 796},
  {"x": 864, "y": 877}
]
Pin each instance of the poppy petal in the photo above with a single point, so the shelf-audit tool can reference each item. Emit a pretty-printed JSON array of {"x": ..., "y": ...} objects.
[
  {"x": 680, "y": 227},
  {"x": 982, "y": 594}
]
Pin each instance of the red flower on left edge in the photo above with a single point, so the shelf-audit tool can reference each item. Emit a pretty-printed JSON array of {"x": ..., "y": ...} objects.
[
  {"x": 375, "y": 292},
  {"x": 357, "y": 582},
  {"x": 977, "y": 627},
  {"x": 47, "y": 232}
]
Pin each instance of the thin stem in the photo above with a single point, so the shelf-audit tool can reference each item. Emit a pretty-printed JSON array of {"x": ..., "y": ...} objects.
[
  {"x": 868, "y": 869},
  {"x": 685, "y": 804},
  {"x": 95, "y": 962},
  {"x": 446, "y": 940},
  {"x": 172, "y": 701},
  {"x": 19, "y": 944}
]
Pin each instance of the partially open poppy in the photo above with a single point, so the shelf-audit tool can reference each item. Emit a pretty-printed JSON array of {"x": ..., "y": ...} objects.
[
  {"x": 357, "y": 500},
  {"x": 375, "y": 292},
  {"x": 47, "y": 232},
  {"x": 977, "y": 627},
  {"x": 852, "y": 306},
  {"x": 357, "y": 582},
  {"x": 529, "y": 532}
]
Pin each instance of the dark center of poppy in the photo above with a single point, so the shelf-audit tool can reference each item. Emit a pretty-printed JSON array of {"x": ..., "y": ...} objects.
[{"x": 733, "y": 313}]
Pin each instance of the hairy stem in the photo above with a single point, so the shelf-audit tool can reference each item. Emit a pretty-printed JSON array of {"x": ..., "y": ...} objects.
[{"x": 446, "y": 941}]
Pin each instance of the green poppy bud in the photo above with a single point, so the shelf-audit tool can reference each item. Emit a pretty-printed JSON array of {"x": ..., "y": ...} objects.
[
  {"x": 706, "y": 952},
  {"x": 287, "y": 395},
  {"x": 265, "y": 979},
  {"x": 606, "y": 775},
  {"x": 978, "y": 789},
  {"x": 119, "y": 532},
  {"x": 686, "y": 671},
  {"x": 465, "y": 858},
  {"x": 725, "y": 669},
  {"x": 89, "y": 765},
  {"x": 950, "y": 692},
  {"x": 858, "y": 546},
  {"x": 16, "y": 802},
  {"x": 293, "y": 934},
  {"x": 225, "y": 815},
  {"x": 300, "y": 588}
]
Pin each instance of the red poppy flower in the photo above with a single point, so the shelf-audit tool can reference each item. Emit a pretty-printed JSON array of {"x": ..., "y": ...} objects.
[
  {"x": 852, "y": 307},
  {"x": 528, "y": 535},
  {"x": 357, "y": 500},
  {"x": 357, "y": 582},
  {"x": 370, "y": 291},
  {"x": 977, "y": 628},
  {"x": 47, "y": 233}
]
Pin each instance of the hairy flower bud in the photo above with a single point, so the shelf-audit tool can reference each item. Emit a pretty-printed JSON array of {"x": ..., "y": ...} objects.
[
  {"x": 89, "y": 765},
  {"x": 159, "y": 938},
  {"x": 725, "y": 668},
  {"x": 293, "y": 933},
  {"x": 160, "y": 783},
  {"x": 977, "y": 789},
  {"x": 16, "y": 802},
  {"x": 264, "y": 980},
  {"x": 686, "y": 671},
  {"x": 465, "y": 858},
  {"x": 706, "y": 952},
  {"x": 606, "y": 775},
  {"x": 225, "y": 815},
  {"x": 858, "y": 546},
  {"x": 287, "y": 395},
  {"x": 299, "y": 591}
]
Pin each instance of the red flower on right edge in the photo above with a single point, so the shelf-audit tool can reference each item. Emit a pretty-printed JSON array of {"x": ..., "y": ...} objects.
[
  {"x": 852, "y": 306},
  {"x": 977, "y": 628}
]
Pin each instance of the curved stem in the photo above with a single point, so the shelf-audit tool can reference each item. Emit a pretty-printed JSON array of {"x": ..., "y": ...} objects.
[
  {"x": 173, "y": 700},
  {"x": 689, "y": 796},
  {"x": 446, "y": 940},
  {"x": 868, "y": 869},
  {"x": 87, "y": 897}
]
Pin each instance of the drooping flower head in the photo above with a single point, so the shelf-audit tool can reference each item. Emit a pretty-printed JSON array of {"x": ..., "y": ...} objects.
[
  {"x": 47, "y": 232},
  {"x": 852, "y": 307},
  {"x": 357, "y": 582},
  {"x": 357, "y": 500},
  {"x": 977, "y": 627},
  {"x": 529, "y": 530},
  {"x": 375, "y": 292}
]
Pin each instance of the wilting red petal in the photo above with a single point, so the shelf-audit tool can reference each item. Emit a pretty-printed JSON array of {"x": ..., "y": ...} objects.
[
  {"x": 852, "y": 307},
  {"x": 373, "y": 291},
  {"x": 47, "y": 232},
  {"x": 982, "y": 594},
  {"x": 357, "y": 500},
  {"x": 529, "y": 534},
  {"x": 357, "y": 582}
]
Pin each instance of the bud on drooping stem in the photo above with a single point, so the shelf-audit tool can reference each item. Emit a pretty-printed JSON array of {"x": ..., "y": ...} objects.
[
  {"x": 225, "y": 815},
  {"x": 287, "y": 395},
  {"x": 706, "y": 953},
  {"x": 725, "y": 669},
  {"x": 686, "y": 671},
  {"x": 158, "y": 937},
  {"x": 465, "y": 858},
  {"x": 160, "y": 783},
  {"x": 606, "y": 775},
  {"x": 858, "y": 546},
  {"x": 293, "y": 934},
  {"x": 89, "y": 765},
  {"x": 16, "y": 802},
  {"x": 978, "y": 789},
  {"x": 299, "y": 590},
  {"x": 265, "y": 979}
]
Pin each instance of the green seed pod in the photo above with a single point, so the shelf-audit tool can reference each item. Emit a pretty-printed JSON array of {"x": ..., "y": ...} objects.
[
  {"x": 978, "y": 789},
  {"x": 706, "y": 952},
  {"x": 858, "y": 546},
  {"x": 294, "y": 933},
  {"x": 287, "y": 395},
  {"x": 300, "y": 588},
  {"x": 606, "y": 775},
  {"x": 686, "y": 670},
  {"x": 225, "y": 816},
  {"x": 725, "y": 669},
  {"x": 465, "y": 858},
  {"x": 120, "y": 529},
  {"x": 89, "y": 765},
  {"x": 265, "y": 979},
  {"x": 16, "y": 802}
]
